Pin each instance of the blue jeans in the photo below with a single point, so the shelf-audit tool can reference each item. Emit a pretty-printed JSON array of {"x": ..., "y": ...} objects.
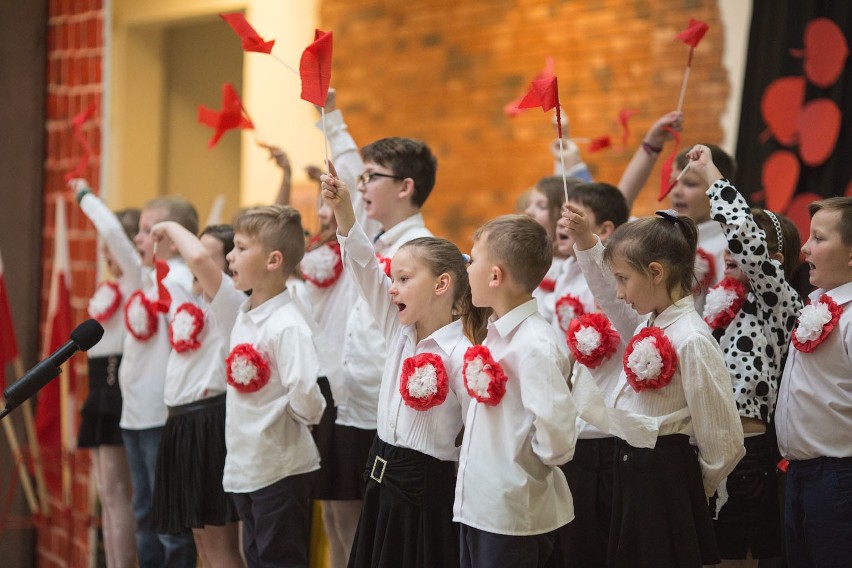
[
  {"x": 818, "y": 513},
  {"x": 155, "y": 550}
]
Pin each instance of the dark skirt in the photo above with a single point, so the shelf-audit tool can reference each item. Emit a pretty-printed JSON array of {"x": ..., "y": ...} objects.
[
  {"x": 660, "y": 516},
  {"x": 188, "y": 490},
  {"x": 343, "y": 451},
  {"x": 407, "y": 518},
  {"x": 101, "y": 412}
]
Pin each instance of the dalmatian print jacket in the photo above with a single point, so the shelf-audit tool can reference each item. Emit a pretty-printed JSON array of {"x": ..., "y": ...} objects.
[{"x": 755, "y": 342}]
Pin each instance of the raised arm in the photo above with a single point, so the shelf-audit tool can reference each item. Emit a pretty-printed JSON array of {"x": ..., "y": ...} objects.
[
  {"x": 283, "y": 162},
  {"x": 639, "y": 169},
  {"x": 196, "y": 257}
]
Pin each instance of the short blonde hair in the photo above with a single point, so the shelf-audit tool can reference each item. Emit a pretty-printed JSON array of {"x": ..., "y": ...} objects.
[
  {"x": 520, "y": 245},
  {"x": 177, "y": 209},
  {"x": 277, "y": 227},
  {"x": 842, "y": 204}
]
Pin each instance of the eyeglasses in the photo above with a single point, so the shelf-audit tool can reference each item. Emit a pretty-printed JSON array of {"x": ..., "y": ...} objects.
[{"x": 367, "y": 177}]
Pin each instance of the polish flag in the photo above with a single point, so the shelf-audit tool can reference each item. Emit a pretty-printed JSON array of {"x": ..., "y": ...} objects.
[{"x": 8, "y": 344}]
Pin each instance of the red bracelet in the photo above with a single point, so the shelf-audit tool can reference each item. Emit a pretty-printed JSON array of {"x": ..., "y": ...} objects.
[{"x": 649, "y": 149}]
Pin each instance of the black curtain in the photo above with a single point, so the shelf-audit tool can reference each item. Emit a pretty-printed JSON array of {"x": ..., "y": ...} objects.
[{"x": 778, "y": 26}]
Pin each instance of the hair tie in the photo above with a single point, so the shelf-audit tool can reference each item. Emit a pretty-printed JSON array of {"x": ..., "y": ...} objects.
[
  {"x": 777, "y": 225},
  {"x": 466, "y": 258},
  {"x": 669, "y": 215}
]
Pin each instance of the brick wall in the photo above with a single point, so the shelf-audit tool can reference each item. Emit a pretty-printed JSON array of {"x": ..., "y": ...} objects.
[
  {"x": 74, "y": 54},
  {"x": 442, "y": 70}
]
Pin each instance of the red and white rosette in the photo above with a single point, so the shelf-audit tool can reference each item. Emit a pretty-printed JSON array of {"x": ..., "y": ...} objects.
[
  {"x": 385, "y": 263},
  {"x": 548, "y": 284},
  {"x": 322, "y": 266},
  {"x": 185, "y": 328},
  {"x": 105, "y": 301},
  {"x": 723, "y": 302},
  {"x": 650, "y": 360},
  {"x": 247, "y": 369},
  {"x": 484, "y": 378},
  {"x": 424, "y": 381},
  {"x": 815, "y": 323},
  {"x": 568, "y": 307},
  {"x": 705, "y": 270},
  {"x": 592, "y": 339},
  {"x": 140, "y": 316}
]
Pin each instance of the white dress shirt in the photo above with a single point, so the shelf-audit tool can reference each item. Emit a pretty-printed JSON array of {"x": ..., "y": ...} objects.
[
  {"x": 814, "y": 414},
  {"x": 712, "y": 239},
  {"x": 546, "y": 297},
  {"x": 266, "y": 431},
  {"x": 569, "y": 280},
  {"x": 433, "y": 431},
  {"x": 509, "y": 481},
  {"x": 112, "y": 343},
  {"x": 200, "y": 373}
]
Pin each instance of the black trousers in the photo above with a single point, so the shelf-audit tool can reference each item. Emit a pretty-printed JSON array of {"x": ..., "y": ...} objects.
[{"x": 482, "y": 549}]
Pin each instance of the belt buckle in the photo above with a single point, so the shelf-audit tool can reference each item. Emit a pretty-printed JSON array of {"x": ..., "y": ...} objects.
[{"x": 376, "y": 462}]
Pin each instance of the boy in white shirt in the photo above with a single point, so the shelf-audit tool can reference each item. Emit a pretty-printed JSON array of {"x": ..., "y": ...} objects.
[
  {"x": 511, "y": 497},
  {"x": 272, "y": 393},
  {"x": 813, "y": 419}
]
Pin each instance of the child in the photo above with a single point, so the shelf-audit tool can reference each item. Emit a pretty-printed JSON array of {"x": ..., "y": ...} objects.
[
  {"x": 675, "y": 378},
  {"x": 752, "y": 312},
  {"x": 99, "y": 429},
  {"x": 272, "y": 393},
  {"x": 424, "y": 313},
  {"x": 141, "y": 375},
  {"x": 814, "y": 415},
  {"x": 511, "y": 497},
  {"x": 188, "y": 492}
]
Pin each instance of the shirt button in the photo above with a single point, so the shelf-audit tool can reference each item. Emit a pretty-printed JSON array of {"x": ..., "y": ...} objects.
[
  {"x": 624, "y": 458},
  {"x": 392, "y": 425}
]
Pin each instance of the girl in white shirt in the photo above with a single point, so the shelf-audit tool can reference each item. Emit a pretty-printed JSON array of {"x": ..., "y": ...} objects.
[
  {"x": 425, "y": 313},
  {"x": 188, "y": 493},
  {"x": 674, "y": 381}
]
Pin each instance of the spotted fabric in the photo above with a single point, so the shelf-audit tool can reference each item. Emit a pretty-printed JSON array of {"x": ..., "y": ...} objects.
[{"x": 755, "y": 343}]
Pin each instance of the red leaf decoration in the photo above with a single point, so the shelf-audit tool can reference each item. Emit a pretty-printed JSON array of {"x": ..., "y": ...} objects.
[
  {"x": 780, "y": 107},
  {"x": 251, "y": 39},
  {"x": 780, "y": 177},
  {"x": 164, "y": 299},
  {"x": 666, "y": 181},
  {"x": 315, "y": 68},
  {"x": 798, "y": 212},
  {"x": 693, "y": 33},
  {"x": 819, "y": 126},
  {"x": 599, "y": 143},
  {"x": 513, "y": 109},
  {"x": 825, "y": 52},
  {"x": 230, "y": 117}
]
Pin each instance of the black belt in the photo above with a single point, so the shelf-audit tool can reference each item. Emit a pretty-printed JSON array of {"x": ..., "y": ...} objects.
[{"x": 197, "y": 405}]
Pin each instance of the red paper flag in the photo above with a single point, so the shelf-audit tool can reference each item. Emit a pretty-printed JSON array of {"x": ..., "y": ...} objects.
[
  {"x": 251, "y": 39},
  {"x": 666, "y": 181},
  {"x": 231, "y": 116},
  {"x": 315, "y": 68},
  {"x": 599, "y": 143},
  {"x": 164, "y": 298},
  {"x": 57, "y": 331},
  {"x": 544, "y": 93},
  {"x": 77, "y": 125},
  {"x": 693, "y": 33},
  {"x": 8, "y": 343},
  {"x": 513, "y": 109},
  {"x": 623, "y": 118}
]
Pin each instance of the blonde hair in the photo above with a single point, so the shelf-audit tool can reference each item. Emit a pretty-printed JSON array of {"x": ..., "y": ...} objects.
[
  {"x": 277, "y": 227},
  {"x": 520, "y": 245},
  {"x": 844, "y": 206},
  {"x": 177, "y": 209}
]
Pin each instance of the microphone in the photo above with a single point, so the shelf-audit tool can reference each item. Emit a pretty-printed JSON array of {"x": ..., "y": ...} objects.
[{"x": 84, "y": 337}]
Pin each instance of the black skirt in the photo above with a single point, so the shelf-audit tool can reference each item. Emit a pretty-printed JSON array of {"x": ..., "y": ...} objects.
[
  {"x": 188, "y": 490},
  {"x": 343, "y": 451},
  {"x": 101, "y": 412},
  {"x": 407, "y": 518},
  {"x": 660, "y": 516}
]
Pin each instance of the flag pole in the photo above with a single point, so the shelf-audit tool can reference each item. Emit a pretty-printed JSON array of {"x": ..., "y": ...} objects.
[
  {"x": 32, "y": 440},
  {"x": 685, "y": 80},
  {"x": 23, "y": 474},
  {"x": 65, "y": 433},
  {"x": 324, "y": 135}
]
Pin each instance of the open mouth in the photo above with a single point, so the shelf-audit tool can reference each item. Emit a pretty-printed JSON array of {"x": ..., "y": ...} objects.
[{"x": 400, "y": 307}]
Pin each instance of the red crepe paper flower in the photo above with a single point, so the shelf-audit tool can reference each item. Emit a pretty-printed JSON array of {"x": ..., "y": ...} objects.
[
  {"x": 815, "y": 323},
  {"x": 247, "y": 369},
  {"x": 650, "y": 360},
  {"x": 322, "y": 265},
  {"x": 315, "y": 68},
  {"x": 105, "y": 301},
  {"x": 513, "y": 109},
  {"x": 592, "y": 339},
  {"x": 693, "y": 33},
  {"x": 484, "y": 378},
  {"x": 599, "y": 143},
  {"x": 185, "y": 328},
  {"x": 140, "y": 316},
  {"x": 624, "y": 116},
  {"x": 705, "y": 270},
  {"x": 568, "y": 307},
  {"x": 164, "y": 298},
  {"x": 251, "y": 39},
  {"x": 547, "y": 284},
  {"x": 231, "y": 116},
  {"x": 385, "y": 263},
  {"x": 723, "y": 302},
  {"x": 424, "y": 381},
  {"x": 77, "y": 126},
  {"x": 666, "y": 182}
]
